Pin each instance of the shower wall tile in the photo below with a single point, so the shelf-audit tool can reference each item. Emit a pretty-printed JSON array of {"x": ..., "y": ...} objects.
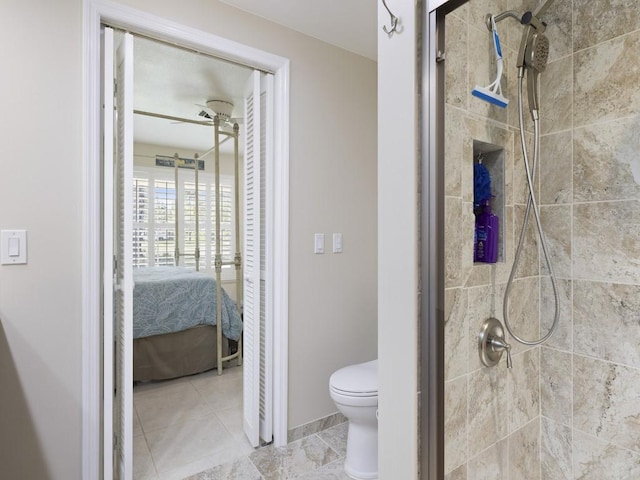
[
  {"x": 559, "y": 19},
  {"x": 459, "y": 473},
  {"x": 606, "y": 162},
  {"x": 556, "y": 168},
  {"x": 597, "y": 460},
  {"x": 502, "y": 269},
  {"x": 524, "y": 312},
  {"x": 455, "y": 242},
  {"x": 528, "y": 265},
  {"x": 606, "y": 241},
  {"x": 562, "y": 338},
  {"x": 491, "y": 464},
  {"x": 556, "y": 447},
  {"x": 555, "y": 385},
  {"x": 477, "y": 11},
  {"x": 524, "y": 452},
  {"x": 456, "y": 329},
  {"x": 524, "y": 388},
  {"x": 556, "y": 225},
  {"x": 455, "y": 424},
  {"x": 606, "y": 79},
  {"x": 454, "y": 139},
  {"x": 462, "y": 12},
  {"x": 456, "y": 75},
  {"x": 520, "y": 184},
  {"x": 606, "y": 401},
  {"x": 556, "y": 96},
  {"x": 487, "y": 397},
  {"x": 606, "y": 321},
  {"x": 595, "y": 22}
]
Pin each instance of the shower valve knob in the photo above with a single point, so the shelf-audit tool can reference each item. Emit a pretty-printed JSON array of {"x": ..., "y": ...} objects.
[{"x": 491, "y": 343}]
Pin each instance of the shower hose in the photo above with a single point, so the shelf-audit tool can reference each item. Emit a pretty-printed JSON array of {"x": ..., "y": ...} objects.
[{"x": 531, "y": 205}]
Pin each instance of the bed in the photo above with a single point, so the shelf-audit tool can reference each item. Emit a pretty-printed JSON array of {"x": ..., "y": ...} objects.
[{"x": 174, "y": 323}]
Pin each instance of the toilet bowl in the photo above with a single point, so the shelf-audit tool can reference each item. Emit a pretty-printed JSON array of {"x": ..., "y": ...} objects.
[{"x": 354, "y": 389}]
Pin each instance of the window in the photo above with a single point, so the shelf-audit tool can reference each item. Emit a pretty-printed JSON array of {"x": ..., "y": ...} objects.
[{"x": 154, "y": 219}]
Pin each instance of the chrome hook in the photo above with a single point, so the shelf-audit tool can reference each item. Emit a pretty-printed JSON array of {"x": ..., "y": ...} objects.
[{"x": 394, "y": 21}]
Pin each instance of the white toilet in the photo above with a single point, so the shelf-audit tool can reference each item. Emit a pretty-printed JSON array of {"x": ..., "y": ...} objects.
[{"x": 354, "y": 389}]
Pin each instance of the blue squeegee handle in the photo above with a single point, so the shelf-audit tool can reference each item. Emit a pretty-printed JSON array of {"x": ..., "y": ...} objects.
[{"x": 496, "y": 44}]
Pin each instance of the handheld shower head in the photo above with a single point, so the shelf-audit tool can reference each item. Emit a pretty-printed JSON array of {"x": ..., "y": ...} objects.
[
  {"x": 533, "y": 56},
  {"x": 537, "y": 52}
]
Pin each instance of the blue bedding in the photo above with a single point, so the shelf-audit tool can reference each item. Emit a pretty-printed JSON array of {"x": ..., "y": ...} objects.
[{"x": 171, "y": 299}]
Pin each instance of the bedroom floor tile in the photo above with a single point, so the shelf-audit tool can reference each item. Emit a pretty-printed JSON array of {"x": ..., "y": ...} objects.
[{"x": 188, "y": 429}]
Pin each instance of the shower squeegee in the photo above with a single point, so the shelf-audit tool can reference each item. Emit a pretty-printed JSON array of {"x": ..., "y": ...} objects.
[{"x": 493, "y": 92}]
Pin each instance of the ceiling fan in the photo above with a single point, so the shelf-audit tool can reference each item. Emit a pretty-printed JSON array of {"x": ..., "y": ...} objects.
[{"x": 223, "y": 109}]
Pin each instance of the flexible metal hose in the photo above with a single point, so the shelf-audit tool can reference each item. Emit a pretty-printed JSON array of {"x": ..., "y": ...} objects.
[{"x": 531, "y": 204}]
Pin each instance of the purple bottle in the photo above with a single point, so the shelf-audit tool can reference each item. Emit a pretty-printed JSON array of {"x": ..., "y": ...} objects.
[{"x": 486, "y": 235}]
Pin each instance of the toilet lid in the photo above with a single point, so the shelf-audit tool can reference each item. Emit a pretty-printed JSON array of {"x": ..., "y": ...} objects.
[{"x": 356, "y": 380}]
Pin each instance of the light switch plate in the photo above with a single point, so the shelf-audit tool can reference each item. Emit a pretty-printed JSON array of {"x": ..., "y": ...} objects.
[
  {"x": 13, "y": 247},
  {"x": 318, "y": 243},
  {"x": 337, "y": 243}
]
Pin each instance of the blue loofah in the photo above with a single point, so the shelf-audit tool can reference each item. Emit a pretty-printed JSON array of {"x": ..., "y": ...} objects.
[{"x": 481, "y": 184}]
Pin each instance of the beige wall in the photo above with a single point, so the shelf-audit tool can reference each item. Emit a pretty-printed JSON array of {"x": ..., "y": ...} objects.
[{"x": 332, "y": 298}]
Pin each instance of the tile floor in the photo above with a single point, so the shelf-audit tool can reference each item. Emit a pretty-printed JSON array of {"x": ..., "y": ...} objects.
[{"x": 191, "y": 428}]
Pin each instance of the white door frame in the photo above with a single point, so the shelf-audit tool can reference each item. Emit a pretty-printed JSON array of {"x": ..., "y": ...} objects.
[{"x": 95, "y": 13}]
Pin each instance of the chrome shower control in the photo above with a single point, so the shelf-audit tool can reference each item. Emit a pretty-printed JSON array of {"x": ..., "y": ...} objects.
[{"x": 492, "y": 344}]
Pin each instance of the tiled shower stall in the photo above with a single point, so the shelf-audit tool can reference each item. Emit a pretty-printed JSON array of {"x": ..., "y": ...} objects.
[{"x": 569, "y": 409}]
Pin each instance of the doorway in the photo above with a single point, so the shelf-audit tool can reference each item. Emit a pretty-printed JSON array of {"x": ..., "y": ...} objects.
[{"x": 96, "y": 419}]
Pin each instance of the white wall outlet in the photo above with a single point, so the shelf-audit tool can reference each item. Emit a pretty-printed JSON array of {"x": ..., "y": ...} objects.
[
  {"x": 318, "y": 244},
  {"x": 337, "y": 243},
  {"x": 13, "y": 247}
]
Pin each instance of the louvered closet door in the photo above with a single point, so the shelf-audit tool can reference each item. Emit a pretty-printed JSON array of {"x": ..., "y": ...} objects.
[
  {"x": 123, "y": 400},
  {"x": 251, "y": 283},
  {"x": 266, "y": 268}
]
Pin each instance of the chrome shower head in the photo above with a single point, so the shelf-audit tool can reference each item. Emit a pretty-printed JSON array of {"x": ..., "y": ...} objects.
[{"x": 537, "y": 52}]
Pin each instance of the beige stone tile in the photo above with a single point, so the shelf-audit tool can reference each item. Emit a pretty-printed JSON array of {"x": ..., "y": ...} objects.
[
  {"x": 598, "y": 21},
  {"x": 459, "y": 227},
  {"x": 524, "y": 312},
  {"x": 555, "y": 451},
  {"x": 559, "y": 20},
  {"x": 455, "y": 424},
  {"x": 459, "y": 473},
  {"x": 562, "y": 337},
  {"x": 296, "y": 458},
  {"x": 556, "y": 385},
  {"x": 456, "y": 331},
  {"x": 524, "y": 452},
  {"x": 606, "y": 81},
  {"x": 172, "y": 406},
  {"x": 194, "y": 440},
  {"x": 502, "y": 269},
  {"x": 491, "y": 464},
  {"x": 556, "y": 96},
  {"x": 520, "y": 183},
  {"x": 332, "y": 471},
  {"x": 479, "y": 8},
  {"x": 456, "y": 76},
  {"x": 556, "y": 169},
  {"x": 528, "y": 261},
  {"x": 606, "y": 162},
  {"x": 556, "y": 226},
  {"x": 606, "y": 321},
  {"x": 524, "y": 388},
  {"x": 487, "y": 397},
  {"x": 606, "y": 241},
  {"x": 239, "y": 469},
  {"x": 454, "y": 143},
  {"x": 336, "y": 438},
  {"x": 597, "y": 460},
  {"x": 606, "y": 401},
  {"x": 143, "y": 468}
]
